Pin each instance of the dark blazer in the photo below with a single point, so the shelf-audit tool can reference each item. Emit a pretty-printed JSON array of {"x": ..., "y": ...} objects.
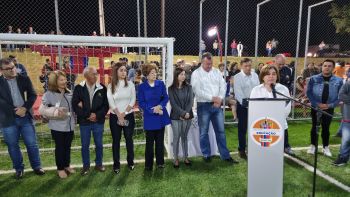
[
  {"x": 180, "y": 105},
  {"x": 99, "y": 103},
  {"x": 7, "y": 112}
]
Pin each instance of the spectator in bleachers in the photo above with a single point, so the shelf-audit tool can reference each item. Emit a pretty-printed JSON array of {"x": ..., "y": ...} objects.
[
  {"x": 309, "y": 71},
  {"x": 203, "y": 47},
  {"x": 44, "y": 77},
  {"x": 233, "y": 70},
  {"x": 269, "y": 48},
  {"x": 56, "y": 106},
  {"x": 188, "y": 72},
  {"x": 234, "y": 51},
  {"x": 19, "y": 67},
  {"x": 300, "y": 90},
  {"x": 339, "y": 69},
  {"x": 224, "y": 73},
  {"x": 181, "y": 99},
  {"x": 216, "y": 47},
  {"x": 17, "y": 98},
  {"x": 131, "y": 71},
  {"x": 240, "y": 48},
  {"x": 20, "y": 46},
  {"x": 121, "y": 98},
  {"x": 71, "y": 77},
  {"x": 91, "y": 106},
  {"x": 153, "y": 98},
  {"x": 125, "y": 48},
  {"x": 180, "y": 63},
  {"x": 244, "y": 82},
  {"x": 230, "y": 100},
  {"x": 10, "y": 47},
  {"x": 94, "y": 33},
  {"x": 258, "y": 69},
  {"x": 30, "y": 30}
]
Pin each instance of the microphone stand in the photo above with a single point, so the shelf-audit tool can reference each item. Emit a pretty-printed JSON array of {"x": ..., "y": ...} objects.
[{"x": 318, "y": 125}]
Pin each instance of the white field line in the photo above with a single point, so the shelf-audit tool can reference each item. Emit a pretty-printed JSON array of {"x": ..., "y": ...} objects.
[
  {"x": 305, "y": 165},
  {"x": 319, "y": 173},
  {"x": 74, "y": 148}
]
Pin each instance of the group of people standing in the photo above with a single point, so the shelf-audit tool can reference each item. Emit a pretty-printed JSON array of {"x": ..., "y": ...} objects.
[{"x": 90, "y": 102}]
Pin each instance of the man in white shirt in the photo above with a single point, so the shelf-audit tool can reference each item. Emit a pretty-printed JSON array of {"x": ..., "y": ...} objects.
[
  {"x": 209, "y": 88},
  {"x": 244, "y": 82}
]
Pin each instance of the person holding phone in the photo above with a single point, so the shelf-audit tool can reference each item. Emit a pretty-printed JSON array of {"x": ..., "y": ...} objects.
[{"x": 121, "y": 98}]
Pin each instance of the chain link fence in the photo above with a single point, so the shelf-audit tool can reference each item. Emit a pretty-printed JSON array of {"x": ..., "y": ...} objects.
[{"x": 277, "y": 33}]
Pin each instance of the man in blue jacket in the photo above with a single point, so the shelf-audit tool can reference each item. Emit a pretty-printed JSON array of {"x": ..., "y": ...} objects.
[{"x": 322, "y": 91}]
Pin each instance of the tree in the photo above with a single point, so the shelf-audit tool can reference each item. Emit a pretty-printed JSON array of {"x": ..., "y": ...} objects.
[{"x": 340, "y": 18}]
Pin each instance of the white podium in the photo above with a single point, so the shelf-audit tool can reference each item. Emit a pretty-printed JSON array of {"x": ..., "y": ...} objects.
[{"x": 266, "y": 124}]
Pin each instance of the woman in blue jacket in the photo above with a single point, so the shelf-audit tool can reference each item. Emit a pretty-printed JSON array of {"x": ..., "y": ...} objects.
[{"x": 153, "y": 98}]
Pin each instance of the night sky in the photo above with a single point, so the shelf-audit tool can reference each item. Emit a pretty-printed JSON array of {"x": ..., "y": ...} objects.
[{"x": 279, "y": 19}]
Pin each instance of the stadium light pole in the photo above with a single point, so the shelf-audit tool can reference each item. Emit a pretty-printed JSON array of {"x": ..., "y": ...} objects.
[
  {"x": 215, "y": 31},
  {"x": 101, "y": 13},
  {"x": 57, "y": 32},
  {"x": 305, "y": 59},
  {"x": 139, "y": 26},
  {"x": 297, "y": 51},
  {"x": 257, "y": 27},
  {"x": 200, "y": 28},
  {"x": 308, "y": 27},
  {"x": 145, "y": 27}
]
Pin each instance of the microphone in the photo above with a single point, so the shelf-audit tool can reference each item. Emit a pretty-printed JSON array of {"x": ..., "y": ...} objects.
[{"x": 273, "y": 90}]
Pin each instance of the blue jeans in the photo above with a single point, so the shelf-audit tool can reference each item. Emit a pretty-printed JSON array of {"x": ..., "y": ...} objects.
[
  {"x": 23, "y": 127},
  {"x": 206, "y": 113},
  {"x": 340, "y": 130},
  {"x": 10, "y": 47},
  {"x": 234, "y": 52},
  {"x": 345, "y": 141},
  {"x": 85, "y": 136}
]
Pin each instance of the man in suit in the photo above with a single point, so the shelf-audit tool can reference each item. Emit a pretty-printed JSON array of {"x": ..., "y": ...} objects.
[{"x": 16, "y": 100}]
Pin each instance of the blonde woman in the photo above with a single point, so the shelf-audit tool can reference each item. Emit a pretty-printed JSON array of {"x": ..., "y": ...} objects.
[{"x": 56, "y": 106}]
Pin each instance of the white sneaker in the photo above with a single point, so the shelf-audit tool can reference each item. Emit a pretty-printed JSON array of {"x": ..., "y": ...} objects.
[
  {"x": 311, "y": 150},
  {"x": 327, "y": 152}
]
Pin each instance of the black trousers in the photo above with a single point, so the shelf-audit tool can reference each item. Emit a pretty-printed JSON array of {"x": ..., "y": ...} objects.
[
  {"x": 116, "y": 131},
  {"x": 156, "y": 136},
  {"x": 286, "y": 140},
  {"x": 325, "y": 124},
  {"x": 63, "y": 142},
  {"x": 242, "y": 114}
]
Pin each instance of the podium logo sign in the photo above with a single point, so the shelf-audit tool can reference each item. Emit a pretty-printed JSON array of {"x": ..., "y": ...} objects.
[{"x": 265, "y": 132}]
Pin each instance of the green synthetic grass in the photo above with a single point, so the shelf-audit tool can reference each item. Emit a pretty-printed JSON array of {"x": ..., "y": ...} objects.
[
  {"x": 324, "y": 164},
  {"x": 214, "y": 179},
  {"x": 299, "y": 136},
  {"x": 217, "y": 178}
]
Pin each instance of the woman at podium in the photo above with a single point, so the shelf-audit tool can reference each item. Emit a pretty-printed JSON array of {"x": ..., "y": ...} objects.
[{"x": 269, "y": 77}]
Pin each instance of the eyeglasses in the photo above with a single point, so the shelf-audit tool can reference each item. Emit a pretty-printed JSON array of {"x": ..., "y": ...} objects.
[{"x": 8, "y": 69}]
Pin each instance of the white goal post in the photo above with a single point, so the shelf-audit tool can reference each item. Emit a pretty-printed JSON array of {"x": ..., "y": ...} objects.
[{"x": 167, "y": 45}]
